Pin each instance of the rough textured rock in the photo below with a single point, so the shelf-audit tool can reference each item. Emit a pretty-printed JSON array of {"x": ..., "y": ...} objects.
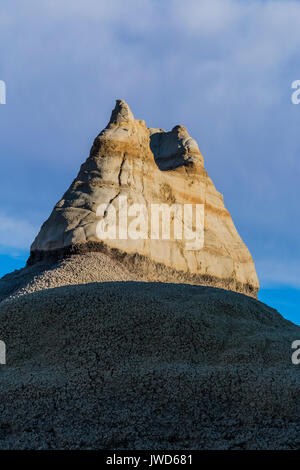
[
  {"x": 95, "y": 364},
  {"x": 97, "y": 360},
  {"x": 148, "y": 166}
]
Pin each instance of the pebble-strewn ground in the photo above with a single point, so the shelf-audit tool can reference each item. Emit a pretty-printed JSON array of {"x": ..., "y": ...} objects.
[{"x": 97, "y": 360}]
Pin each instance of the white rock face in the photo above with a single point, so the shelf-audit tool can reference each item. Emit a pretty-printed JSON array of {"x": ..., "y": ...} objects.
[{"x": 148, "y": 166}]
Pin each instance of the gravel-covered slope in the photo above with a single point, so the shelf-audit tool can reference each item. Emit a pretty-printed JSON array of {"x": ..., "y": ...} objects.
[{"x": 77, "y": 269}]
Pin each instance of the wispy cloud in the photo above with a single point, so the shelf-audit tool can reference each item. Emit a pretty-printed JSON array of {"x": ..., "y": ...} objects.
[{"x": 15, "y": 234}]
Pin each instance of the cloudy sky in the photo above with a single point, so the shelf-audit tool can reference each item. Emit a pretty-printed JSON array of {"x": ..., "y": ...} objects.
[{"x": 222, "y": 68}]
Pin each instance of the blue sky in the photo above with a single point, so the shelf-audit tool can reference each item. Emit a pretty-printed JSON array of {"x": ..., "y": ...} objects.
[{"x": 222, "y": 68}]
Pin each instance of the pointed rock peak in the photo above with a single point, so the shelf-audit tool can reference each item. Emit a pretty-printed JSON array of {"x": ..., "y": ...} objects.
[
  {"x": 179, "y": 130},
  {"x": 174, "y": 149},
  {"x": 121, "y": 113},
  {"x": 148, "y": 166}
]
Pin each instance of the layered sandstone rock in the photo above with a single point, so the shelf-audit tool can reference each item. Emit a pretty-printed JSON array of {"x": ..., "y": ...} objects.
[{"x": 132, "y": 164}]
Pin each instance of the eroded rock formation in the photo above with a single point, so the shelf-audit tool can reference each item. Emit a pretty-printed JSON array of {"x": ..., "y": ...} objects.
[{"x": 148, "y": 166}]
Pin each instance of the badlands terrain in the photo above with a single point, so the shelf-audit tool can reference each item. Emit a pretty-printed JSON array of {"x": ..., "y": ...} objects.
[{"x": 140, "y": 344}]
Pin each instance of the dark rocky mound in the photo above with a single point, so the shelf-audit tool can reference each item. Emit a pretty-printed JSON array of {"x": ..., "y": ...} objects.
[{"x": 127, "y": 365}]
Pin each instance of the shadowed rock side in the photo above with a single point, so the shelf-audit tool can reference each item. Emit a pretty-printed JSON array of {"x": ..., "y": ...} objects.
[
  {"x": 127, "y": 365},
  {"x": 148, "y": 166}
]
